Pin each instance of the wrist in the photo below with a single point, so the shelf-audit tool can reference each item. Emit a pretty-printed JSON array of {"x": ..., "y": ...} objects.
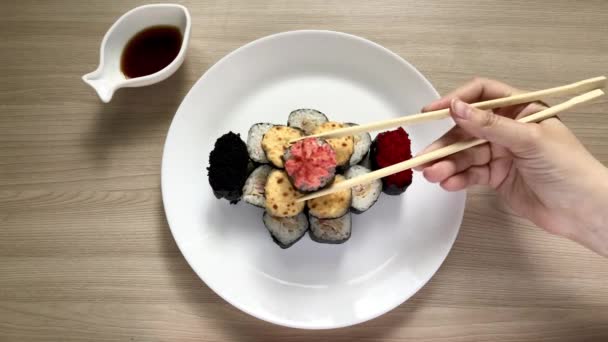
[{"x": 594, "y": 215}]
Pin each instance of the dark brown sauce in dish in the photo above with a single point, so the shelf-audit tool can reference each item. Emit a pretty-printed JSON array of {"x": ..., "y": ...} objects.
[{"x": 150, "y": 51}]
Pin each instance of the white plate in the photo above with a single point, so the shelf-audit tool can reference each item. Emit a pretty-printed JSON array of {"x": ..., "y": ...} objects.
[{"x": 395, "y": 247}]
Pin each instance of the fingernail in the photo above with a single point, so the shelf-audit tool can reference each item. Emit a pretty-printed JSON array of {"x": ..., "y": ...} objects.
[
  {"x": 425, "y": 108},
  {"x": 460, "y": 109}
]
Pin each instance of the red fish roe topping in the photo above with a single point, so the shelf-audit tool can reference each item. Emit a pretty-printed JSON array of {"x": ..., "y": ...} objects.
[
  {"x": 310, "y": 163},
  {"x": 394, "y": 147}
]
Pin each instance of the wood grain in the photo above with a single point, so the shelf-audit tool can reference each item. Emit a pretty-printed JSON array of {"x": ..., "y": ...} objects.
[{"x": 85, "y": 251}]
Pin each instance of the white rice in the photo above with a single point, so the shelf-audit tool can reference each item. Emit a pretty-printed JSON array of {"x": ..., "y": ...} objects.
[
  {"x": 286, "y": 230},
  {"x": 253, "y": 190},
  {"x": 306, "y": 119},
  {"x": 331, "y": 230},
  {"x": 365, "y": 195},
  {"x": 254, "y": 142}
]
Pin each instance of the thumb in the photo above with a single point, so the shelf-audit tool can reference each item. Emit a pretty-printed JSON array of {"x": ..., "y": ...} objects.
[{"x": 514, "y": 135}]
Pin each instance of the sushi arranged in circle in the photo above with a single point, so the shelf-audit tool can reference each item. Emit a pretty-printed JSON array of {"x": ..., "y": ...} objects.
[{"x": 278, "y": 165}]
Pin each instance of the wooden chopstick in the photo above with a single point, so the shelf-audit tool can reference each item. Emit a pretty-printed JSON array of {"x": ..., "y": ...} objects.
[
  {"x": 568, "y": 89},
  {"x": 448, "y": 150}
]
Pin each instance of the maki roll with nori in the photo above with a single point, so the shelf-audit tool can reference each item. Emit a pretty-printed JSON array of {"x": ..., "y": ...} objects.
[
  {"x": 228, "y": 167},
  {"x": 253, "y": 190},
  {"x": 333, "y": 205},
  {"x": 286, "y": 231},
  {"x": 281, "y": 195},
  {"x": 330, "y": 230},
  {"x": 364, "y": 195},
  {"x": 310, "y": 164},
  {"x": 390, "y": 148},
  {"x": 343, "y": 146},
  {"x": 306, "y": 119},
  {"x": 254, "y": 142},
  {"x": 276, "y": 141},
  {"x": 366, "y": 162},
  {"x": 362, "y": 142}
]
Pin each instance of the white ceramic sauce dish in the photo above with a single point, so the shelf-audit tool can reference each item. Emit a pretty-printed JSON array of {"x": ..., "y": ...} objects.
[{"x": 108, "y": 77}]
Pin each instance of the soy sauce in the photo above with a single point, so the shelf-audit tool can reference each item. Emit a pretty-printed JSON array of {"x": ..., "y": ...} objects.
[{"x": 150, "y": 50}]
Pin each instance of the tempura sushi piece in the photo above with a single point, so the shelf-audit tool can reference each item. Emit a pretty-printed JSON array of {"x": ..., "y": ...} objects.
[
  {"x": 306, "y": 119},
  {"x": 286, "y": 231},
  {"x": 310, "y": 164},
  {"x": 343, "y": 146},
  {"x": 281, "y": 196},
  {"x": 254, "y": 142},
  {"x": 363, "y": 142},
  {"x": 253, "y": 190},
  {"x": 333, "y": 205},
  {"x": 276, "y": 141},
  {"x": 330, "y": 230},
  {"x": 364, "y": 195},
  {"x": 390, "y": 148}
]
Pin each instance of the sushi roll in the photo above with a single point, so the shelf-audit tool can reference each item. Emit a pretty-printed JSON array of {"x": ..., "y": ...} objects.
[
  {"x": 362, "y": 142},
  {"x": 228, "y": 167},
  {"x": 390, "y": 148},
  {"x": 281, "y": 196},
  {"x": 364, "y": 195},
  {"x": 333, "y": 205},
  {"x": 306, "y": 119},
  {"x": 253, "y": 190},
  {"x": 276, "y": 141},
  {"x": 343, "y": 146},
  {"x": 330, "y": 230},
  {"x": 254, "y": 142},
  {"x": 310, "y": 164},
  {"x": 286, "y": 231},
  {"x": 367, "y": 161}
]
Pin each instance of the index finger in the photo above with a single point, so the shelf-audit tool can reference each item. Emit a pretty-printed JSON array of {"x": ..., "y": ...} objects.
[{"x": 478, "y": 89}]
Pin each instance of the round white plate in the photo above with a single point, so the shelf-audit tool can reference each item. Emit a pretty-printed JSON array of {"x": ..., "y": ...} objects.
[{"x": 395, "y": 247}]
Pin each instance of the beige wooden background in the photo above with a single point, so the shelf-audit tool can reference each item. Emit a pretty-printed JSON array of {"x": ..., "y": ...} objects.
[{"x": 86, "y": 253}]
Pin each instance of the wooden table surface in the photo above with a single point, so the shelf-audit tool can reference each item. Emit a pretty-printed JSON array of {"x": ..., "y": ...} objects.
[{"x": 85, "y": 250}]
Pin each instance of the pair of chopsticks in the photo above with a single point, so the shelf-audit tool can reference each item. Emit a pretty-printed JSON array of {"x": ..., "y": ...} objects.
[{"x": 590, "y": 86}]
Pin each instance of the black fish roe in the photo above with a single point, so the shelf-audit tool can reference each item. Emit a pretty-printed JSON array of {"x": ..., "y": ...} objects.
[{"x": 228, "y": 167}]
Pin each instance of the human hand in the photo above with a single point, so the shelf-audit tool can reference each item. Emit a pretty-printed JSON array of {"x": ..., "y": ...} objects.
[{"x": 542, "y": 170}]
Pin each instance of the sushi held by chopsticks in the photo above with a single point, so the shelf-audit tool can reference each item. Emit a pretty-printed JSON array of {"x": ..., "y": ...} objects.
[
  {"x": 310, "y": 164},
  {"x": 585, "y": 85}
]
